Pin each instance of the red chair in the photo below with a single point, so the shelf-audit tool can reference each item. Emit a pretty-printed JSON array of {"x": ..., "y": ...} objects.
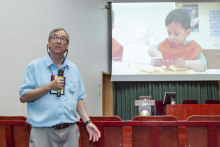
[
  {"x": 190, "y": 102},
  {"x": 212, "y": 102},
  {"x": 159, "y": 106}
]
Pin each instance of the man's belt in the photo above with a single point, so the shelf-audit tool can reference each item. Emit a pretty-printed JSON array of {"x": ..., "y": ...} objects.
[{"x": 62, "y": 126}]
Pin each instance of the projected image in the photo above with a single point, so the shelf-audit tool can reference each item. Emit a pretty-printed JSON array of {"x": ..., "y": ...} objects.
[{"x": 164, "y": 38}]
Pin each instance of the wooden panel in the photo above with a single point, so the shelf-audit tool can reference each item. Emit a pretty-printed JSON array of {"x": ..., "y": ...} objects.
[
  {"x": 21, "y": 140},
  {"x": 182, "y": 112},
  {"x": 141, "y": 136},
  {"x": 110, "y": 128},
  {"x": 204, "y": 118},
  {"x": 197, "y": 136},
  {"x": 14, "y": 135},
  {"x": 104, "y": 118},
  {"x": 2, "y": 136},
  {"x": 155, "y": 137},
  {"x": 85, "y": 138},
  {"x": 218, "y": 137},
  {"x": 113, "y": 136},
  {"x": 168, "y": 136},
  {"x": 8, "y": 136},
  {"x": 212, "y": 136},
  {"x": 13, "y": 118},
  {"x": 154, "y": 118},
  {"x": 208, "y": 135},
  {"x": 107, "y": 95}
]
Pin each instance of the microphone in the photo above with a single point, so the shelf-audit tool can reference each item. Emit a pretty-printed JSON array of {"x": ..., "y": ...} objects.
[{"x": 60, "y": 75}]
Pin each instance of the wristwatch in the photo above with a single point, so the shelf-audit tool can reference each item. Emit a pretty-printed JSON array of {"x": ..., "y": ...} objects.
[{"x": 88, "y": 121}]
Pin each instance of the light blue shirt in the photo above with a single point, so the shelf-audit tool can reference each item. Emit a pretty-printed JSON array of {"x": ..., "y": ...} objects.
[{"x": 49, "y": 109}]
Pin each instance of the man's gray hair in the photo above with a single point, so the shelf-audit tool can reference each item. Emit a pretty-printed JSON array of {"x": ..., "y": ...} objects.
[{"x": 58, "y": 29}]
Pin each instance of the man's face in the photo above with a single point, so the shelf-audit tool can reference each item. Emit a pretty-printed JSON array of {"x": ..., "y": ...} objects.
[
  {"x": 177, "y": 34},
  {"x": 58, "y": 46}
]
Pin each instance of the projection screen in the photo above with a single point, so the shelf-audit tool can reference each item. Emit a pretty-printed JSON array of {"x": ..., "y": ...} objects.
[{"x": 152, "y": 41}]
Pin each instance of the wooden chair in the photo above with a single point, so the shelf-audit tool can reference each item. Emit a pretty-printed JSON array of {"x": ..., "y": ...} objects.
[
  {"x": 212, "y": 102},
  {"x": 190, "y": 102},
  {"x": 198, "y": 136},
  {"x": 111, "y": 128},
  {"x": 14, "y": 131},
  {"x": 149, "y": 136}
]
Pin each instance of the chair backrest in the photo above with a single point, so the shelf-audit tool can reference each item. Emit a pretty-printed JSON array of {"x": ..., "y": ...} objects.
[
  {"x": 212, "y": 101},
  {"x": 104, "y": 118},
  {"x": 155, "y": 118},
  {"x": 207, "y": 136},
  {"x": 164, "y": 136},
  {"x": 13, "y": 118},
  {"x": 204, "y": 118},
  {"x": 110, "y": 128},
  {"x": 190, "y": 102},
  {"x": 159, "y": 106}
]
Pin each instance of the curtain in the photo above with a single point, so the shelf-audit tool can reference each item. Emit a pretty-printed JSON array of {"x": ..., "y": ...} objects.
[{"x": 124, "y": 93}]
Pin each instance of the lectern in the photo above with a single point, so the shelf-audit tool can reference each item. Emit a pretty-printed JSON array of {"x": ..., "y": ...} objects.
[{"x": 144, "y": 104}]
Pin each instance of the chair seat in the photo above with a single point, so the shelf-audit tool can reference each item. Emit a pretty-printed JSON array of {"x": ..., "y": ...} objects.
[
  {"x": 212, "y": 101},
  {"x": 159, "y": 106}
]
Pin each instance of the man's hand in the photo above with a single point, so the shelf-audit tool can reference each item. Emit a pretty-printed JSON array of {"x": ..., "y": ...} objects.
[
  {"x": 36, "y": 93},
  {"x": 57, "y": 84},
  {"x": 93, "y": 131}
]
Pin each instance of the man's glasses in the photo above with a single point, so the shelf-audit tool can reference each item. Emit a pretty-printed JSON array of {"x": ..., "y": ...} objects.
[{"x": 56, "y": 38}]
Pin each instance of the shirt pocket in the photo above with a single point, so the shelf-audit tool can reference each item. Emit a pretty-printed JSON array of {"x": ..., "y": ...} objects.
[{"x": 72, "y": 86}]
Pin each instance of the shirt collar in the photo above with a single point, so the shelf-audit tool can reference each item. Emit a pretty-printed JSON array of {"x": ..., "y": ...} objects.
[{"x": 50, "y": 62}]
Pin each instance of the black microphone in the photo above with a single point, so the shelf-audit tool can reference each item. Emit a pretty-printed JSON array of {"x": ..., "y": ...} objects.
[{"x": 60, "y": 75}]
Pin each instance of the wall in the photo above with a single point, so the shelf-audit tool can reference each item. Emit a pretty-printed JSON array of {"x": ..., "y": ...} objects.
[
  {"x": 25, "y": 26},
  {"x": 203, "y": 37}
]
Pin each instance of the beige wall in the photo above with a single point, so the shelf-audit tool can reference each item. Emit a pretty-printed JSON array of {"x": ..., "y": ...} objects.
[{"x": 25, "y": 26}]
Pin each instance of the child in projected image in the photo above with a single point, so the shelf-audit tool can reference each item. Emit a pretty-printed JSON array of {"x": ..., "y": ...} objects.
[
  {"x": 117, "y": 49},
  {"x": 176, "y": 46}
]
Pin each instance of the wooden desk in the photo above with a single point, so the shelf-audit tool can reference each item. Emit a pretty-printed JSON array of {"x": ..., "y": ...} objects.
[{"x": 182, "y": 112}]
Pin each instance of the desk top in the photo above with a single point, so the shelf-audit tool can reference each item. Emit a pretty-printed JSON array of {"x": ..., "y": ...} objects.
[
  {"x": 182, "y": 112},
  {"x": 195, "y": 106}
]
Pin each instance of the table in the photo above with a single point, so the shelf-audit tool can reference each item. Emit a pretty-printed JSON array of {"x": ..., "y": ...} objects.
[{"x": 183, "y": 111}]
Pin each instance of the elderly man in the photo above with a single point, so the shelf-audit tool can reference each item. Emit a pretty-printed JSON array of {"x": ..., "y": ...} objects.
[{"x": 52, "y": 100}]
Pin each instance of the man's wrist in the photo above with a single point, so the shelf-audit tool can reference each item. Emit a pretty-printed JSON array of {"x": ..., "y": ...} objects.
[{"x": 88, "y": 121}]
